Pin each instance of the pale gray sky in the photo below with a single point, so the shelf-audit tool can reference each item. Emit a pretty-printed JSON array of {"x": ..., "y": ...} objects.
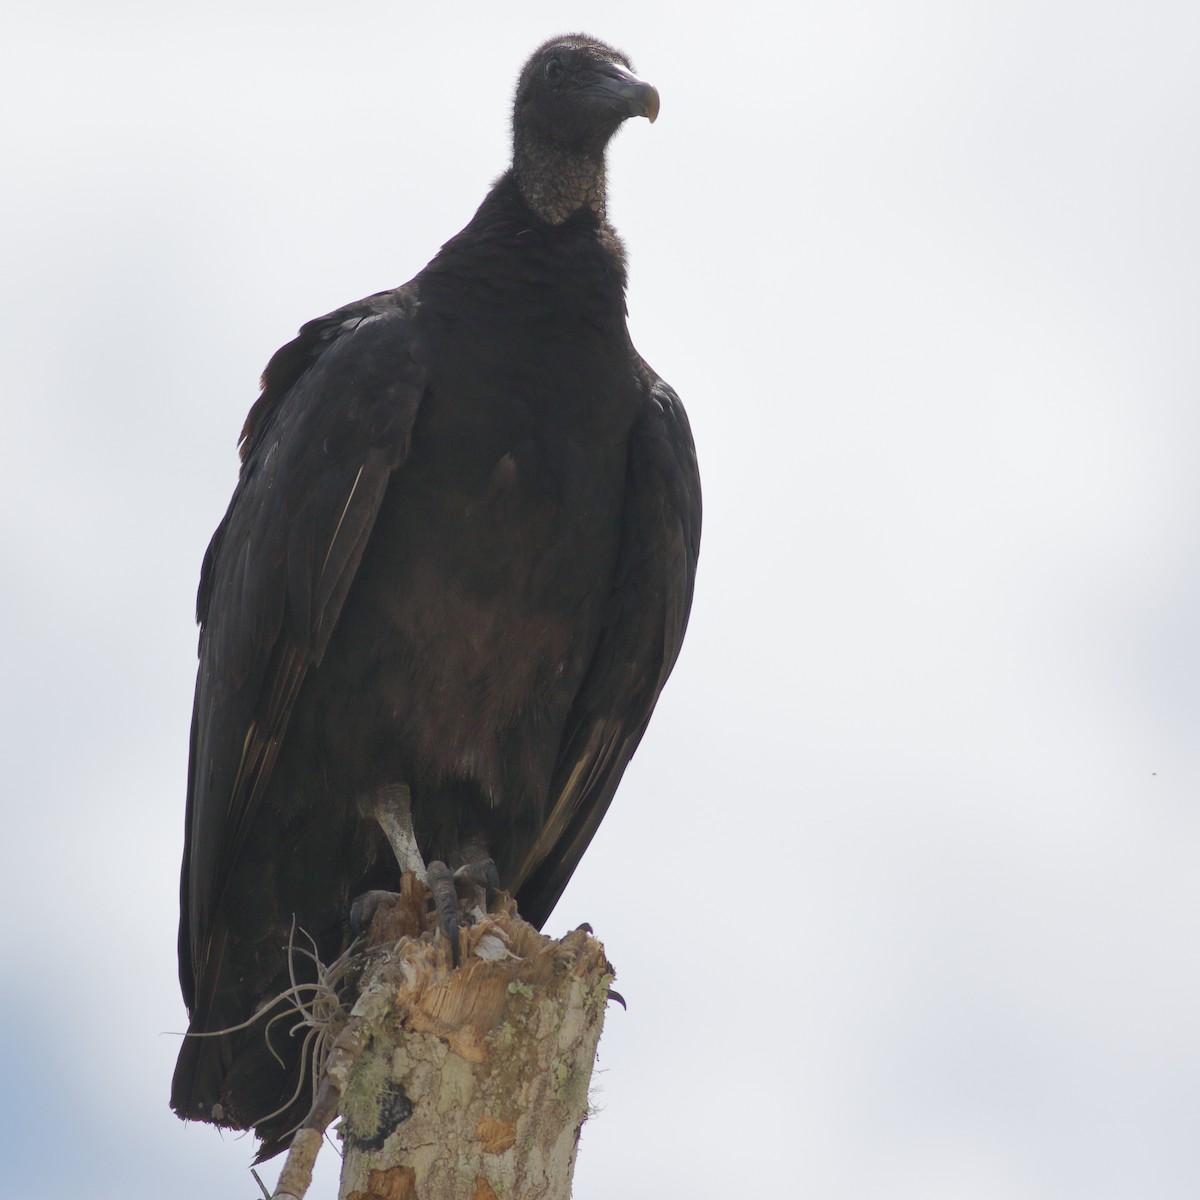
[{"x": 924, "y": 791}]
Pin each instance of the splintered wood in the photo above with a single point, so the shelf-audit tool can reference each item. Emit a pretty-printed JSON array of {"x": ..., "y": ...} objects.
[{"x": 468, "y": 1082}]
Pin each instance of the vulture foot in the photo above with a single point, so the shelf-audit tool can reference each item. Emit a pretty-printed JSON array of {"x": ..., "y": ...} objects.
[
  {"x": 363, "y": 909},
  {"x": 461, "y": 897}
]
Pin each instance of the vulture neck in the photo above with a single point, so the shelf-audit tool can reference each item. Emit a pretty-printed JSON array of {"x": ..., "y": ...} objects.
[{"x": 557, "y": 181}]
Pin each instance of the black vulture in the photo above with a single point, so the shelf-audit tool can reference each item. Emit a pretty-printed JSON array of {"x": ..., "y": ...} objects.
[{"x": 451, "y": 583}]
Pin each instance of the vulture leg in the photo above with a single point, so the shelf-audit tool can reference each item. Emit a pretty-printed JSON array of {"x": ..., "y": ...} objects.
[
  {"x": 477, "y": 880},
  {"x": 392, "y": 808}
]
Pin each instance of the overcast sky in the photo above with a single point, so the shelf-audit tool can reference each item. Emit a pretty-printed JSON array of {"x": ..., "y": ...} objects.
[{"x": 923, "y": 795}]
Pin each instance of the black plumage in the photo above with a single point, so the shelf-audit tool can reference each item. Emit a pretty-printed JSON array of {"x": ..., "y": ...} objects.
[{"x": 458, "y": 563}]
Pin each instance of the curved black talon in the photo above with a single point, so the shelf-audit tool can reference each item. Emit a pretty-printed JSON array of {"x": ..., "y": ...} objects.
[
  {"x": 618, "y": 998},
  {"x": 445, "y": 900}
]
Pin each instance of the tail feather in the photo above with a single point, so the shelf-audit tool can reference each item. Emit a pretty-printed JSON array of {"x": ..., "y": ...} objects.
[{"x": 238, "y": 1081}]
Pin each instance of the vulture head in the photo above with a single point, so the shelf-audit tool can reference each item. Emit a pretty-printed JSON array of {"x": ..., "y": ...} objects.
[{"x": 571, "y": 98}]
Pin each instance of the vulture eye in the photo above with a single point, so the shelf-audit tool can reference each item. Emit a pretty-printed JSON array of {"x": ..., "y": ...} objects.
[{"x": 554, "y": 71}]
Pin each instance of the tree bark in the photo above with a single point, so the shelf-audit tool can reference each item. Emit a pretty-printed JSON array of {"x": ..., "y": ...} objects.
[{"x": 460, "y": 1083}]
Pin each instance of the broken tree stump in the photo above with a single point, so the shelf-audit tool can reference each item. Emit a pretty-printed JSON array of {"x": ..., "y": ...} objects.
[{"x": 460, "y": 1083}]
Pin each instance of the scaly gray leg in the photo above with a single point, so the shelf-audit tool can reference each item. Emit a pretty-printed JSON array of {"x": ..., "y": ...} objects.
[{"x": 392, "y": 807}]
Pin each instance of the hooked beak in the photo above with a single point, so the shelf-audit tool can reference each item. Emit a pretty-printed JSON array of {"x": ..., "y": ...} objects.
[{"x": 636, "y": 97}]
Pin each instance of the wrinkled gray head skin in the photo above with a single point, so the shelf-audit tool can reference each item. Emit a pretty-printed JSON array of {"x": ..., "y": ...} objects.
[{"x": 572, "y": 96}]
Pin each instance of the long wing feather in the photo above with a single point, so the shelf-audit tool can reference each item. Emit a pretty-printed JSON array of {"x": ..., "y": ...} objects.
[
  {"x": 319, "y": 448},
  {"x": 644, "y": 626}
]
